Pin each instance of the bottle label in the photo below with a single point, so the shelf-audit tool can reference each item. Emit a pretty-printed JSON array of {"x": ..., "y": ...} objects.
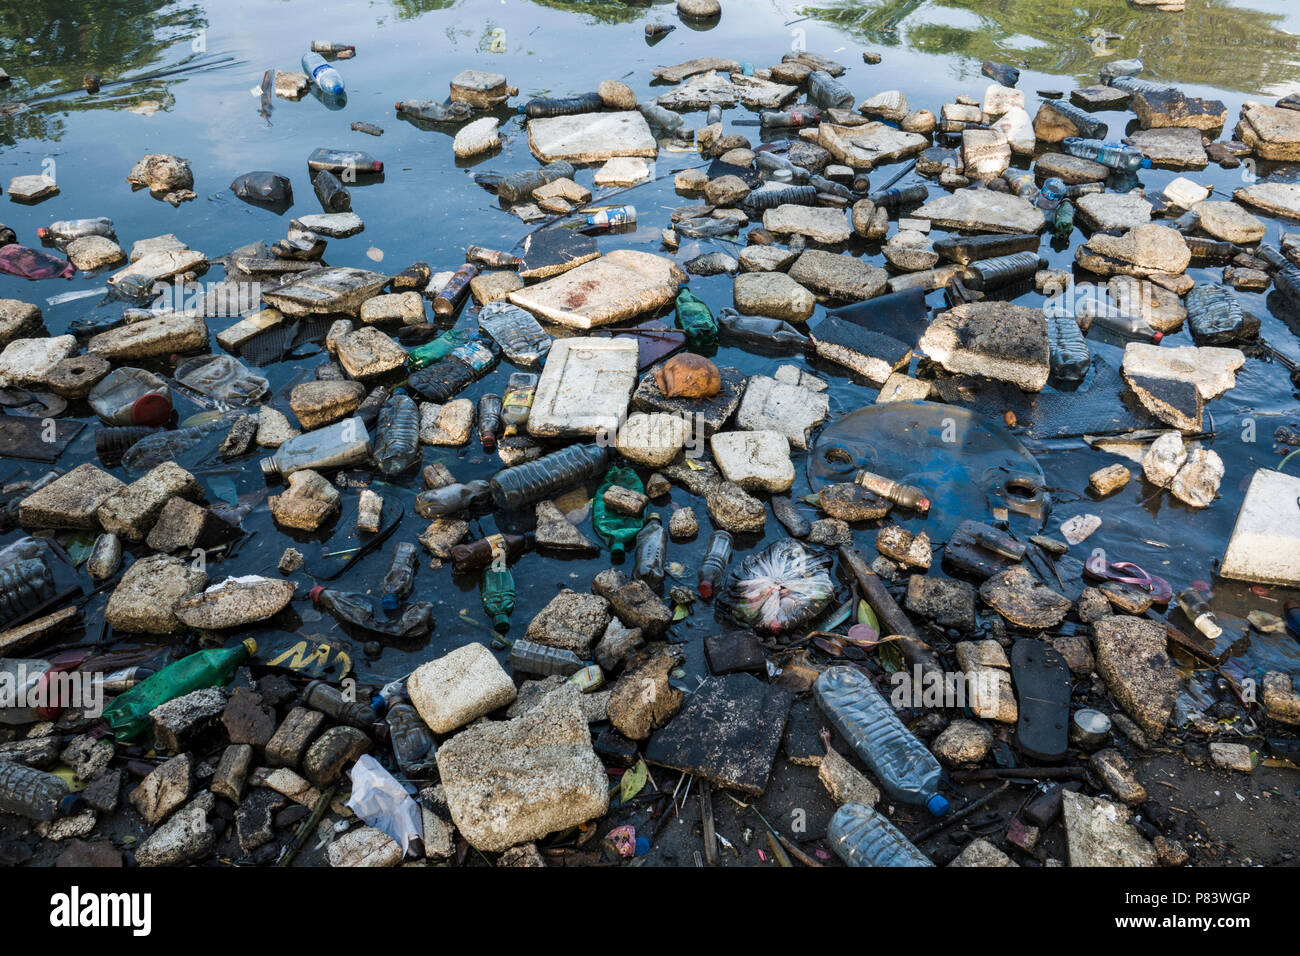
[{"x": 519, "y": 396}]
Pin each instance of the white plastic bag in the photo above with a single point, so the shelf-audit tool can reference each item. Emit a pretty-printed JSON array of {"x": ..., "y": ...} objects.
[
  {"x": 780, "y": 588},
  {"x": 379, "y": 800}
]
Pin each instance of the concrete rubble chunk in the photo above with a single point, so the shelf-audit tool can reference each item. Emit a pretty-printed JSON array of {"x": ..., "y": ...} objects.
[
  {"x": 1142, "y": 251},
  {"x": 846, "y": 278},
  {"x": 1113, "y": 212},
  {"x": 32, "y": 188},
  {"x": 617, "y": 286},
  {"x": 1265, "y": 542},
  {"x": 30, "y": 361},
  {"x": 1197, "y": 482},
  {"x": 164, "y": 789},
  {"x": 819, "y": 224},
  {"x": 1280, "y": 700},
  {"x": 652, "y": 440},
  {"x": 480, "y": 136},
  {"x": 994, "y": 339},
  {"x": 190, "y": 721},
  {"x": 155, "y": 336},
  {"x": 1273, "y": 133},
  {"x": 307, "y": 503},
  {"x": 185, "y": 838},
  {"x": 1175, "y": 383},
  {"x": 556, "y": 531},
  {"x": 367, "y": 353},
  {"x": 1229, "y": 222},
  {"x": 236, "y": 602},
  {"x": 291, "y": 739},
  {"x": 332, "y": 225},
  {"x": 449, "y": 425},
  {"x": 1024, "y": 601},
  {"x": 980, "y": 852},
  {"x": 947, "y": 602},
  {"x": 514, "y": 781},
  {"x": 1170, "y": 107},
  {"x": 869, "y": 145},
  {"x": 1117, "y": 776},
  {"x": 734, "y": 509},
  {"x": 143, "y": 600},
  {"x": 982, "y": 210},
  {"x": 963, "y": 743},
  {"x": 755, "y": 460},
  {"x": 1097, "y": 834},
  {"x": 1273, "y": 199},
  {"x": 845, "y": 782},
  {"x": 459, "y": 687},
  {"x": 591, "y": 137},
  {"x": 1171, "y": 146},
  {"x": 1132, "y": 659},
  {"x": 680, "y": 71},
  {"x": 773, "y": 294},
  {"x": 71, "y": 501},
  {"x": 18, "y": 319},
  {"x": 132, "y": 510},
  {"x": 364, "y": 846},
  {"x": 642, "y": 699},
  {"x": 584, "y": 388},
  {"x": 792, "y": 410},
  {"x": 339, "y": 290}
]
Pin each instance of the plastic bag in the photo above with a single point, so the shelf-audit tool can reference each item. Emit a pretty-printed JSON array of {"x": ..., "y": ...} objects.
[
  {"x": 779, "y": 588},
  {"x": 379, "y": 800},
  {"x": 16, "y": 260},
  {"x": 223, "y": 378}
]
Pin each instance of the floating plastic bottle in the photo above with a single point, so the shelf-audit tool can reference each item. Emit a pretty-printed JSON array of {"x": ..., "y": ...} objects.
[
  {"x": 344, "y": 162},
  {"x": 412, "y": 740},
  {"x": 1124, "y": 325},
  {"x": 33, "y": 793},
  {"x": 1089, "y": 127},
  {"x": 449, "y": 299},
  {"x": 441, "y": 347},
  {"x": 24, "y": 586},
  {"x": 331, "y": 701},
  {"x": 651, "y": 549},
  {"x": 1052, "y": 194},
  {"x": 790, "y": 195},
  {"x": 432, "y": 111},
  {"x": 327, "y": 46},
  {"x": 1135, "y": 84},
  {"x": 397, "y": 436},
  {"x": 529, "y": 657},
  {"x": 909, "y": 496},
  {"x": 1192, "y": 603},
  {"x": 450, "y": 499},
  {"x": 60, "y": 233},
  {"x": 522, "y": 339},
  {"x": 498, "y": 595},
  {"x": 338, "y": 445},
  {"x": 1286, "y": 275},
  {"x": 967, "y": 249},
  {"x": 714, "y": 565},
  {"x": 517, "y": 402},
  {"x": 526, "y": 484},
  {"x": 610, "y": 218},
  {"x": 827, "y": 92},
  {"x": 542, "y": 107},
  {"x": 131, "y": 396},
  {"x": 400, "y": 578},
  {"x": 461, "y": 367},
  {"x": 1063, "y": 222},
  {"x": 616, "y": 530},
  {"x": 153, "y": 450},
  {"x": 791, "y": 118},
  {"x": 661, "y": 117},
  {"x": 1214, "y": 315},
  {"x": 904, "y": 767},
  {"x": 1070, "y": 358},
  {"x": 774, "y": 163},
  {"x": 1209, "y": 250},
  {"x": 1113, "y": 155},
  {"x": 333, "y": 195},
  {"x": 760, "y": 328},
  {"x": 489, "y": 420},
  {"x": 695, "y": 319},
  {"x": 359, "y": 610},
  {"x": 899, "y": 197},
  {"x": 323, "y": 74},
  {"x": 989, "y": 274},
  {"x": 519, "y": 187},
  {"x": 472, "y": 555},
  {"x": 129, "y": 714},
  {"x": 860, "y": 836}
]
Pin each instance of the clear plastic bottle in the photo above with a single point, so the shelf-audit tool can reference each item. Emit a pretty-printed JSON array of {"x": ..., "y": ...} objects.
[
  {"x": 1214, "y": 316},
  {"x": 397, "y": 437},
  {"x": 661, "y": 117},
  {"x": 517, "y": 402},
  {"x": 1192, "y": 603},
  {"x": 989, "y": 274},
  {"x": 412, "y": 740},
  {"x": 1090, "y": 127},
  {"x": 1286, "y": 275},
  {"x": 532, "y": 481},
  {"x": 33, "y": 793},
  {"x": 791, "y": 118},
  {"x": 152, "y": 450},
  {"x": 714, "y": 565},
  {"x": 651, "y": 548},
  {"x": 343, "y": 162},
  {"x": 519, "y": 187},
  {"x": 322, "y": 74},
  {"x": 1114, "y": 155},
  {"x": 521, "y": 337},
  {"x": 1070, "y": 358},
  {"x": 759, "y": 328},
  {"x": 432, "y": 111},
  {"x": 450, "y": 499},
  {"x": 131, "y": 396},
  {"x": 339, "y": 445},
  {"x": 529, "y": 657},
  {"x": 905, "y": 768},
  {"x": 617, "y": 216},
  {"x": 787, "y": 195},
  {"x": 400, "y": 577},
  {"x": 827, "y": 92},
  {"x": 1052, "y": 194},
  {"x": 489, "y": 420},
  {"x": 1124, "y": 325},
  {"x": 65, "y": 230},
  {"x": 327, "y": 46},
  {"x": 900, "y": 196},
  {"x": 860, "y": 836},
  {"x": 24, "y": 586},
  {"x": 463, "y": 366}
]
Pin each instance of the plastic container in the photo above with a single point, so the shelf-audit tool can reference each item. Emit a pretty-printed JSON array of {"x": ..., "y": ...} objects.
[
  {"x": 60, "y": 233},
  {"x": 129, "y": 713},
  {"x": 24, "y": 586},
  {"x": 450, "y": 297},
  {"x": 331, "y": 701},
  {"x": 529, "y": 657},
  {"x": 397, "y": 436},
  {"x": 1063, "y": 222},
  {"x": 338, "y": 445},
  {"x": 450, "y": 499},
  {"x": 1124, "y": 325},
  {"x": 616, "y": 530},
  {"x": 400, "y": 578},
  {"x": 904, "y": 767},
  {"x": 661, "y": 117},
  {"x": 517, "y": 403},
  {"x": 897, "y": 198},
  {"x": 862, "y": 837},
  {"x": 542, "y": 107},
  {"x": 610, "y": 218},
  {"x": 358, "y": 610},
  {"x": 522, "y": 339},
  {"x": 412, "y": 740},
  {"x": 345, "y": 162},
  {"x": 1192, "y": 603},
  {"x": 462, "y": 366},
  {"x": 432, "y": 111},
  {"x": 651, "y": 549},
  {"x": 1114, "y": 155},
  {"x": 909, "y": 496},
  {"x": 430, "y": 352},
  {"x": 760, "y": 329},
  {"x": 790, "y": 195},
  {"x": 526, "y": 484},
  {"x": 333, "y": 195},
  {"x": 1070, "y": 358},
  {"x": 1052, "y": 194},
  {"x": 519, "y": 187},
  {"x": 1214, "y": 316},
  {"x": 472, "y": 555},
  {"x": 827, "y": 92},
  {"x": 790, "y": 119},
  {"x": 131, "y": 396},
  {"x": 223, "y": 378},
  {"x": 498, "y": 587},
  {"x": 33, "y": 793},
  {"x": 152, "y": 450},
  {"x": 489, "y": 420},
  {"x": 714, "y": 565},
  {"x": 986, "y": 275}
]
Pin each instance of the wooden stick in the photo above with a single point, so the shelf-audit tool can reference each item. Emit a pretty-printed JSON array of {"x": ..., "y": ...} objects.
[{"x": 916, "y": 652}]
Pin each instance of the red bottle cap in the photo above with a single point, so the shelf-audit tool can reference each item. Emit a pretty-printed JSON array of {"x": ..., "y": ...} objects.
[
  {"x": 151, "y": 409},
  {"x": 1156, "y": 337},
  {"x": 42, "y": 232},
  {"x": 314, "y": 593}
]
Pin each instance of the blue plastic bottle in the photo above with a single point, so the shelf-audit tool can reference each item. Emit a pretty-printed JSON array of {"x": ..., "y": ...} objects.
[
  {"x": 862, "y": 837},
  {"x": 322, "y": 73},
  {"x": 904, "y": 766}
]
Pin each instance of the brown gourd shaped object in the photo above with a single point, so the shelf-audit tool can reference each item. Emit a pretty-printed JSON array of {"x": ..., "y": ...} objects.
[{"x": 688, "y": 376}]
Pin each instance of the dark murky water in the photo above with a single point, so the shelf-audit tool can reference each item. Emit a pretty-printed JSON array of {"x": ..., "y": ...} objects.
[{"x": 182, "y": 78}]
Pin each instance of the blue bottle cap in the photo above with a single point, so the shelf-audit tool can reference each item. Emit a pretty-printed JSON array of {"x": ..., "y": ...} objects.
[
  {"x": 937, "y": 805},
  {"x": 642, "y": 846},
  {"x": 389, "y": 602},
  {"x": 1146, "y": 163}
]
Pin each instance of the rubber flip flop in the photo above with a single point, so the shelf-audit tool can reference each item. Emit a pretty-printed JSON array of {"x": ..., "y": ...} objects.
[
  {"x": 1126, "y": 572},
  {"x": 1042, "y": 682}
]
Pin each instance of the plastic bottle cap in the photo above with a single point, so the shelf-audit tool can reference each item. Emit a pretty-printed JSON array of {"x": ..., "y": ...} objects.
[
  {"x": 705, "y": 590},
  {"x": 1146, "y": 163},
  {"x": 1156, "y": 337},
  {"x": 151, "y": 409},
  {"x": 268, "y": 467},
  {"x": 251, "y": 645},
  {"x": 314, "y": 593},
  {"x": 42, "y": 232},
  {"x": 937, "y": 805},
  {"x": 389, "y": 602}
]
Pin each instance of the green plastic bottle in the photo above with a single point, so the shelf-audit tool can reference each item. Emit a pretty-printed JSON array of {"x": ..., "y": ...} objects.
[
  {"x": 617, "y": 531},
  {"x": 441, "y": 347},
  {"x": 499, "y": 596},
  {"x": 129, "y": 713},
  {"x": 695, "y": 319},
  {"x": 1063, "y": 225}
]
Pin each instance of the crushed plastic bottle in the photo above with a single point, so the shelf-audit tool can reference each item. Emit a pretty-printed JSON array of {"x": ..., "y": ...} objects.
[
  {"x": 827, "y": 92},
  {"x": 651, "y": 547},
  {"x": 542, "y": 107},
  {"x": 400, "y": 578},
  {"x": 760, "y": 329},
  {"x": 343, "y": 162},
  {"x": 129, "y": 714},
  {"x": 522, "y": 339},
  {"x": 714, "y": 565},
  {"x": 695, "y": 319},
  {"x": 526, "y": 484},
  {"x": 397, "y": 436},
  {"x": 529, "y": 657},
  {"x": 33, "y": 793},
  {"x": 1070, "y": 358},
  {"x": 24, "y": 586},
  {"x": 412, "y": 740},
  {"x": 60, "y": 233},
  {"x": 1115, "y": 155},
  {"x": 359, "y": 610},
  {"x": 338, "y": 445},
  {"x": 904, "y": 767},
  {"x": 222, "y": 378},
  {"x": 860, "y": 836},
  {"x": 131, "y": 396},
  {"x": 462, "y": 366},
  {"x": 450, "y": 499},
  {"x": 432, "y": 111}
]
